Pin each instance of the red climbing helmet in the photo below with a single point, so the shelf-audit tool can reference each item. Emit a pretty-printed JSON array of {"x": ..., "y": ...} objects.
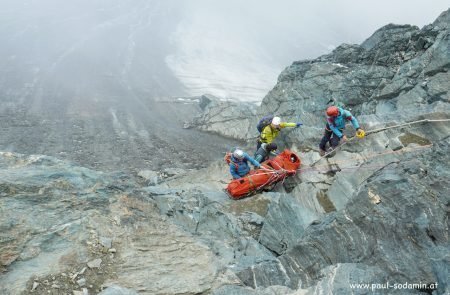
[{"x": 332, "y": 111}]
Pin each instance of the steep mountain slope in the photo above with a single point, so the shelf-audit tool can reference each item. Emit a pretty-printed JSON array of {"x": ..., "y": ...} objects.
[
  {"x": 61, "y": 224},
  {"x": 376, "y": 212},
  {"x": 79, "y": 82}
]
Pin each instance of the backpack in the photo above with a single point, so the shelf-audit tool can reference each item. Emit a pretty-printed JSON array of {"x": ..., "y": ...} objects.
[{"x": 265, "y": 121}]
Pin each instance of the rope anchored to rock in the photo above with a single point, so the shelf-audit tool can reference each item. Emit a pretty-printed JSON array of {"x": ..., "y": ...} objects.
[
  {"x": 373, "y": 155},
  {"x": 376, "y": 131}
]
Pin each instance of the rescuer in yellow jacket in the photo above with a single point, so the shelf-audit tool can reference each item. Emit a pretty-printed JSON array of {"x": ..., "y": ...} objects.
[{"x": 271, "y": 131}]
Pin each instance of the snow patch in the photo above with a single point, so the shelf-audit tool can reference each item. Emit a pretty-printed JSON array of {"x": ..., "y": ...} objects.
[{"x": 238, "y": 70}]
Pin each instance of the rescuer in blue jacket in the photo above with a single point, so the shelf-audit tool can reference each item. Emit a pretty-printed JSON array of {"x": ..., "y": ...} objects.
[
  {"x": 239, "y": 163},
  {"x": 336, "y": 120}
]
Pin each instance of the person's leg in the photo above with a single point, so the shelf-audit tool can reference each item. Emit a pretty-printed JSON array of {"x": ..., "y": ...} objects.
[
  {"x": 258, "y": 145},
  {"x": 334, "y": 141},
  {"x": 326, "y": 138}
]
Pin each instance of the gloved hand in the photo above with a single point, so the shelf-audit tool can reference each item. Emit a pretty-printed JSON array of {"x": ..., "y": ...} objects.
[
  {"x": 299, "y": 124},
  {"x": 360, "y": 133}
]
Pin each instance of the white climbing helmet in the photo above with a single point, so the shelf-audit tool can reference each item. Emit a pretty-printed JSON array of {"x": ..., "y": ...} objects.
[
  {"x": 238, "y": 154},
  {"x": 276, "y": 121}
]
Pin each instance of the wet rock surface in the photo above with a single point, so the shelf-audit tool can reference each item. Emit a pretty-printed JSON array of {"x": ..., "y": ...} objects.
[
  {"x": 58, "y": 224},
  {"x": 375, "y": 212}
]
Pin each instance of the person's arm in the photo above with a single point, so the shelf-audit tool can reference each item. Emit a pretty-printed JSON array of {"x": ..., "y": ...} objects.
[
  {"x": 233, "y": 171},
  {"x": 253, "y": 161},
  {"x": 286, "y": 124},
  {"x": 351, "y": 118},
  {"x": 335, "y": 130}
]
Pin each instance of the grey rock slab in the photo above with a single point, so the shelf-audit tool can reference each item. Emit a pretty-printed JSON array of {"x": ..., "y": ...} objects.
[
  {"x": 395, "y": 144},
  {"x": 349, "y": 235},
  {"x": 283, "y": 225},
  {"x": 106, "y": 242},
  {"x": 264, "y": 274},
  {"x": 339, "y": 278},
  {"x": 94, "y": 263},
  {"x": 118, "y": 290},
  {"x": 152, "y": 177},
  {"x": 169, "y": 172},
  {"x": 227, "y": 118},
  {"x": 312, "y": 197},
  {"x": 183, "y": 264},
  {"x": 43, "y": 222},
  {"x": 239, "y": 290},
  {"x": 252, "y": 217},
  {"x": 161, "y": 190},
  {"x": 81, "y": 282}
]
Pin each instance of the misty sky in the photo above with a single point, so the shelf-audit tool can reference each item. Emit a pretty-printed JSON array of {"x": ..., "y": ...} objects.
[
  {"x": 245, "y": 44},
  {"x": 99, "y": 49}
]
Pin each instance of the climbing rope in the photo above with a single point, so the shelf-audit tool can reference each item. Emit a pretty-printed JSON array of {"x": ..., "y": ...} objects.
[
  {"x": 376, "y": 131},
  {"x": 374, "y": 155},
  {"x": 274, "y": 173},
  {"x": 407, "y": 124}
]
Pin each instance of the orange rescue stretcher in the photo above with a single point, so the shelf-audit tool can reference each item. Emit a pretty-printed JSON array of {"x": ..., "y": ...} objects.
[{"x": 271, "y": 172}]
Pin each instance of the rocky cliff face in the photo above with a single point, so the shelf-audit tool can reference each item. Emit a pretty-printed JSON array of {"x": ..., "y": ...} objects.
[
  {"x": 382, "y": 203},
  {"x": 376, "y": 212},
  {"x": 400, "y": 73}
]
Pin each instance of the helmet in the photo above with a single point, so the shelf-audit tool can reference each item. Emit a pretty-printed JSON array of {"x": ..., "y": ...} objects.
[
  {"x": 332, "y": 111},
  {"x": 276, "y": 121},
  {"x": 271, "y": 147},
  {"x": 238, "y": 154}
]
